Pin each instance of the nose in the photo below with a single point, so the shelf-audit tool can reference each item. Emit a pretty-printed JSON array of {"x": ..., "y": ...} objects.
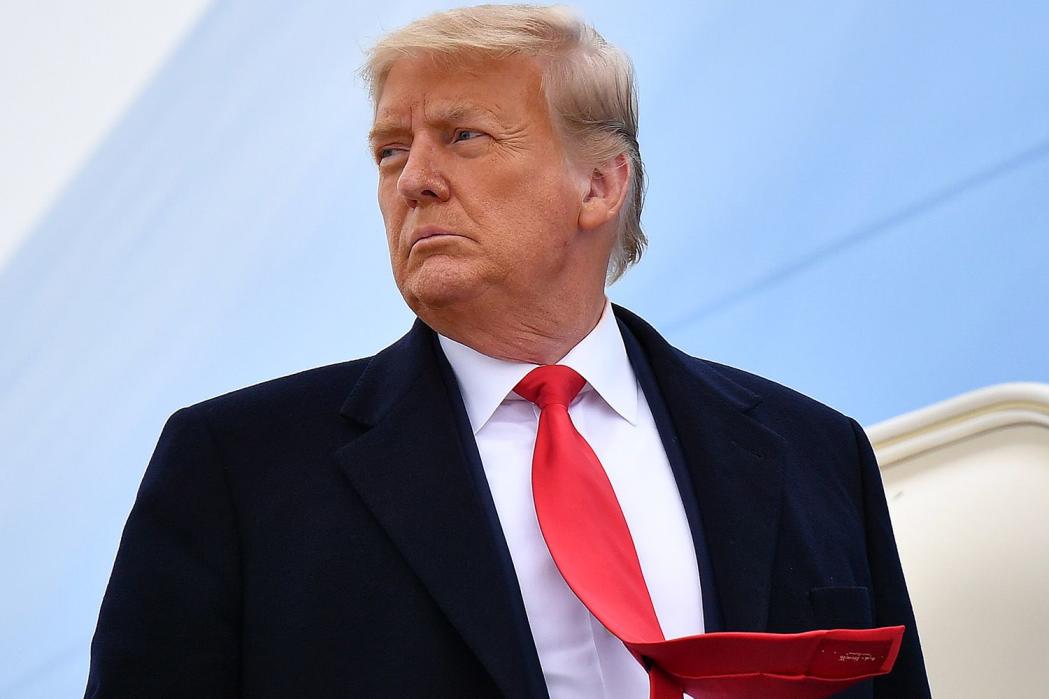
[{"x": 421, "y": 180}]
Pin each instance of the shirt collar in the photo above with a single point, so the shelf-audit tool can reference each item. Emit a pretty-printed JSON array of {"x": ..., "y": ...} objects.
[{"x": 600, "y": 358}]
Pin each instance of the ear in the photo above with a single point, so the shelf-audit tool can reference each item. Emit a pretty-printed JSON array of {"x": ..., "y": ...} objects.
[{"x": 606, "y": 193}]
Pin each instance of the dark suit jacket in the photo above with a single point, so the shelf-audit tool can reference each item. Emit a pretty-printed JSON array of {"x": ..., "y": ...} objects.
[{"x": 325, "y": 535}]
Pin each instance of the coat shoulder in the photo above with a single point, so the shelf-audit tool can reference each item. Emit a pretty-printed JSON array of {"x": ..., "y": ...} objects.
[
  {"x": 785, "y": 409},
  {"x": 301, "y": 396},
  {"x": 772, "y": 391}
]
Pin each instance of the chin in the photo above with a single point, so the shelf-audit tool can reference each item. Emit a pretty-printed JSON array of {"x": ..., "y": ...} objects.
[{"x": 439, "y": 284}]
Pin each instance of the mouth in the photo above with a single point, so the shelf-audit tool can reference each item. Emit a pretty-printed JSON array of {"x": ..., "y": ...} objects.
[{"x": 430, "y": 233}]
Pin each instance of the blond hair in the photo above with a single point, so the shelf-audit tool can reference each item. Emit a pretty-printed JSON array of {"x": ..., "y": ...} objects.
[{"x": 588, "y": 83}]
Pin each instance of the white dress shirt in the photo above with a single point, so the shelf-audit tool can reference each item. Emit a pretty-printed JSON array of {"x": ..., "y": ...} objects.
[{"x": 580, "y": 658}]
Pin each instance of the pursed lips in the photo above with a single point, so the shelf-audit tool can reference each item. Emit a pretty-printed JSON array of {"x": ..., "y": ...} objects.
[{"x": 427, "y": 232}]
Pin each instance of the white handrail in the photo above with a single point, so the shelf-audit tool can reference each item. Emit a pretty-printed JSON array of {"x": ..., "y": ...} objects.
[{"x": 960, "y": 417}]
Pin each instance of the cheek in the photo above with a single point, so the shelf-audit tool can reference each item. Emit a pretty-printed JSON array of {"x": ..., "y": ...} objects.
[
  {"x": 393, "y": 213},
  {"x": 548, "y": 218},
  {"x": 532, "y": 205}
]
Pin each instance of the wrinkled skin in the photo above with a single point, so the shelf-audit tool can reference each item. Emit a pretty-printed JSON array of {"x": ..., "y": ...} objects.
[{"x": 497, "y": 238}]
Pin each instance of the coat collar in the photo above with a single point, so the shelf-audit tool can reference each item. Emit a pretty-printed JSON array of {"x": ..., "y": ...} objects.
[
  {"x": 411, "y": 468},
  {"x": 736, "y": 467}
]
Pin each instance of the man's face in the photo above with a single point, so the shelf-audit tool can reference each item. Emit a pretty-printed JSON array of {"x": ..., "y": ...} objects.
[{"x": 478, "y": 198}]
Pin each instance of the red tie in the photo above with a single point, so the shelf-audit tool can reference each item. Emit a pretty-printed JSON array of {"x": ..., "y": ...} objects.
[{"x": 590, "y": 543}]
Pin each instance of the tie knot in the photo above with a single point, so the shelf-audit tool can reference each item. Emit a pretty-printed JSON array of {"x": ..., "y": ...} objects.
[{"x": 553, "y": 384}]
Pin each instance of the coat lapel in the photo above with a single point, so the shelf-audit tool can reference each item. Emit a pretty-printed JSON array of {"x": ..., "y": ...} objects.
[
  {"x": 410, "y": 469},
  {"x": 736, "y": 470}
]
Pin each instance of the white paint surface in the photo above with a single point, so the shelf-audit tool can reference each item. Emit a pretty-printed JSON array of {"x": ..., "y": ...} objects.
[{"x": 968, "y": 487}]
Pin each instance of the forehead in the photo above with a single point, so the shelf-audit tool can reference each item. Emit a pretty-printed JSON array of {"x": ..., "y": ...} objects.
[{"x": 435, "y": 88}]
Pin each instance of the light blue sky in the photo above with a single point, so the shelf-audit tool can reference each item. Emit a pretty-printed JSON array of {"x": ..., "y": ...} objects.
[{"x": 851, "y": 198}]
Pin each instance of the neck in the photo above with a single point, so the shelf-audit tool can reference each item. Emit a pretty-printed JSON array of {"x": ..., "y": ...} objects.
[{"x": 539, "y": 333}]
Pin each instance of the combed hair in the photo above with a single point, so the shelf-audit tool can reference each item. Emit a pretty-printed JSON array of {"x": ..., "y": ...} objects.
[{"x": 588, "y": 83}]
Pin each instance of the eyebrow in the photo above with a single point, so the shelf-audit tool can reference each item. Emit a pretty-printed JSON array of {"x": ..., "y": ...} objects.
[{"x": 383, "y": 130}]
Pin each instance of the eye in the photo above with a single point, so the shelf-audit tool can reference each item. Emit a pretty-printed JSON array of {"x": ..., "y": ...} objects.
[
  {"x": 466, "y": 134},
  {"x": 389, "y": 151}
]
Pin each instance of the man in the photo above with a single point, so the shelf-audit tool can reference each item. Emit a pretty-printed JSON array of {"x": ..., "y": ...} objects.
[{"x": 368, "y": 529}]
